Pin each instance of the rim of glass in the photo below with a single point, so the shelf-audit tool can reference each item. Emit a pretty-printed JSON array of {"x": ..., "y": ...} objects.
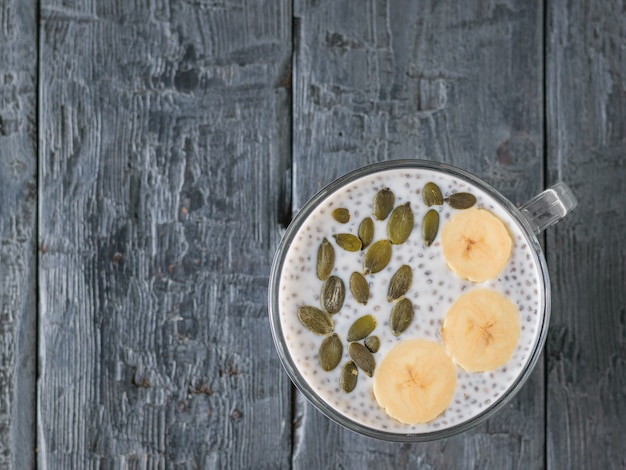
[{"x": 276, "y": 327}]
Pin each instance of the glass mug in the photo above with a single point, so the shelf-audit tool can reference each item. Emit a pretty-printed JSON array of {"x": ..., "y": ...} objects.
[{"x": 317, "y": 350}]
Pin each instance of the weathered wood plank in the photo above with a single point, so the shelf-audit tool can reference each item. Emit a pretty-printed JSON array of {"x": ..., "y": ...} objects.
[
  {"x": 163, "y": 145},
  {"x": 18, "y": 237},
  {"x": 586, "y": 349},
  {"x": 459, "y": 82}
]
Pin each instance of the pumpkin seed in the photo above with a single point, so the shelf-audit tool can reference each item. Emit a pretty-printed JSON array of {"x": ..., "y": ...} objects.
[
  {"x": 430, "y": 226},
  {"x": 383, "y": 203},
  {"x": 377, "y": 257},
  {"x": 361, "y": 328},
  {"x": 315, "y": 320},
  {"x": 362, "y": 357},
  {"x": 366, "y": 231},
  {"x": 400, "y": 283},
  {"x": 330, "y": 352},
  {"x": 432, "y": 195},
  {"x": 401, "y": 316},
  {"x": 400, "y": 224},
  {"x": 461, "y": 200},
  {"x": 348, "y": 377},
  {"x": 341, "y": 215},
  {"x": 360, "y": 288},
  {"x": 325, "y": 259},
  {"x": 333, "y": 294},
  {"x": 372, "y": 343},
  {"x": 348, "y": 242}
]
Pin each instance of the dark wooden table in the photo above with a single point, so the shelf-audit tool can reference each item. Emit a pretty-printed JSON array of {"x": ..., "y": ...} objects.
[{"x": 152, "y": 153}]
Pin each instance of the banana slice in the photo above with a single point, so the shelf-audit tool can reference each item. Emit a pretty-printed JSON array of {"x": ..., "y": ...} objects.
[
  {"x": 415, "y": 382},
  {"x": 481, "y": 330},
  {"x": 476, "y": 244}
]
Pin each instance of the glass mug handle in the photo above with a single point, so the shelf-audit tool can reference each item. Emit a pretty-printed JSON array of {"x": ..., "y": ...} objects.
[{"x": 549, "y": 206}]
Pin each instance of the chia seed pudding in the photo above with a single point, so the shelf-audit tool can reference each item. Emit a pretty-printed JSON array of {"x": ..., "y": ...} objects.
[{"x": 433, "y": 291}]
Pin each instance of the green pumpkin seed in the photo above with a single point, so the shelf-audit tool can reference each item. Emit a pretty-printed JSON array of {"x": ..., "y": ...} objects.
[
  {"x": 461, "y": 200},
  {"x": 348, "y": 377},
  {"x": 432, "y": 195},
  {"x": 430, "y": 226},
  {"x": 372, "y": 343},
  {"x": 401, "y": 316},
  {"x": 361, "y": 328},
  {"x": 377, "y": 257},
  {"x": 348, "y": 242},
  {"x": 341, "y": 215},
  {"x": 366, "y": 232},
  {"x": 333, "y": 294},
  {"x": 362, "y": 357},
  {"x": 330, "y": 352},
  {"x": 383, "y": 203},
  {"x": 400, "y": 224},
  {"x": 325, "y": 260},
  {"x": 400, "y": 283},
  {"x": 315, "y": 320},
  {"x": 360, "y": 288}
]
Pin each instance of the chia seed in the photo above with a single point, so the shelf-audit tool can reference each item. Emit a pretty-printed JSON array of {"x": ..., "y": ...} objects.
[{"x": 299, "y": 286}]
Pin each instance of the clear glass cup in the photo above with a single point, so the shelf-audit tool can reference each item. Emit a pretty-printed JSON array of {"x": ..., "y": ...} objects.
[{"x": 536, "y": 215}]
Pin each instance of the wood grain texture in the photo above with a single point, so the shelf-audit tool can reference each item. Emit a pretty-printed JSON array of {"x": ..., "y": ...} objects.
[
  {"x": 458, "y": 82},
  {"x": 586, "y": 349},
  {"x": 18, "y": 239},
  {"x": 163, "y": 144}
]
